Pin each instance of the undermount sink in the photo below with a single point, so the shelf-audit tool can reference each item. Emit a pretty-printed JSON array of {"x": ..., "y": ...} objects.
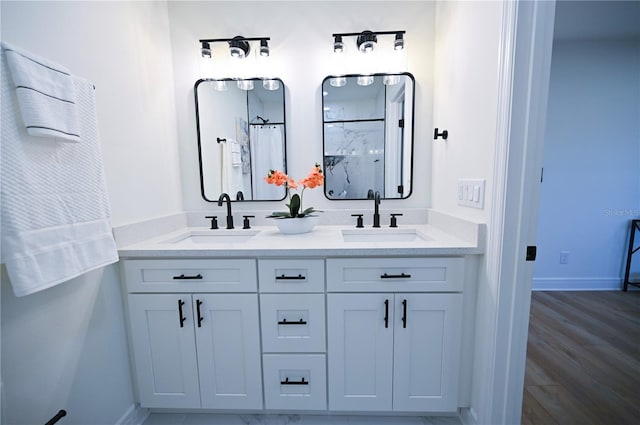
[
  {"x": 383, "y": 235},
  {"x": 219, "y": 236}
]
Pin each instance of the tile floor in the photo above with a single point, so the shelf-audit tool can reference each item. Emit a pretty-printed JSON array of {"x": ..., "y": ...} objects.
[{"x": 216, "y": 419}]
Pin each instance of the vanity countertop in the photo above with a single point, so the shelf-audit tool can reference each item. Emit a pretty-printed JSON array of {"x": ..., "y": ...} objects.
[{"x": 323, "y": 240}]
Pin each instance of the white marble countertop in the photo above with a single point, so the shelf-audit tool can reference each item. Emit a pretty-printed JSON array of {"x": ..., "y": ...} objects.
[{"x": 323, "y": 240}]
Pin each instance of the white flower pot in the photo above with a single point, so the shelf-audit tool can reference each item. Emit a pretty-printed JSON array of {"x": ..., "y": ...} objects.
[{"x": 294, "y": 226}]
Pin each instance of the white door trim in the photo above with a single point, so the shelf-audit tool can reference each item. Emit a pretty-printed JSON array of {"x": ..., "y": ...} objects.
[{"x": 525, "y": 60}]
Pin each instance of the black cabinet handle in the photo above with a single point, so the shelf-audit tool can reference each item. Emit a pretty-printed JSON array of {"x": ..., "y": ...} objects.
[
  {"x": 404, "y": 313},
  {"x": 386, "y": 314},
  {"x": 287, "y": 382},
  {"x": 283, "y": 277},
  {"x": 395, "y": 276},
  {"x": 284, "y": 322},
  {"x": 183, "y": 277},
  {"x": 200, "y": 318},
  {"x": 182, "y": 318}
]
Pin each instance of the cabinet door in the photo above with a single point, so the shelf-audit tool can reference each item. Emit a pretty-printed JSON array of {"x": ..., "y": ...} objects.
[
  {"x": 426, "y": 357},
  {"x": 164, "y": 350},
  {"x": 228, "y": 341},
  {"x": 360, "y": 351}
]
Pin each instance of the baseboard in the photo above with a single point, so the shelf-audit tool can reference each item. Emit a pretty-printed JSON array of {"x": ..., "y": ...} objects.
[
  {"x": 135, "y": 415},
  {"x": 577, "y": 284},
  {"x": 468, "y": 416}
]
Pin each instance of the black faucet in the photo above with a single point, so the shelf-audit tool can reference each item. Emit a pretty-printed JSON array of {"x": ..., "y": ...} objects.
[
  {"x": 225, "y": 197},
  {"x": 376, "y": 210}
]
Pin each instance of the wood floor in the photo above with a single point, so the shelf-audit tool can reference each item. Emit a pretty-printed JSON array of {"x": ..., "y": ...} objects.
[{"x": 583, "y": 359}]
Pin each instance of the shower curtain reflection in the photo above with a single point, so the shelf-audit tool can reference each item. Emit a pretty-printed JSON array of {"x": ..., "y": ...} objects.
[{"x": 267, "y": 153}]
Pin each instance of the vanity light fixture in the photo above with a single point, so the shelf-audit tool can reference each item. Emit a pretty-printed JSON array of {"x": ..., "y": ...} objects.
[
  {"x": 239, "y": 46},
  {"x": 338, "y": 45},
  {"x": 245, "y": 84},
  {"x": 206, "y": 50},
  {"x": 364, "y": 80},
  {"x": 270, "y": 84},
  {"x": 338, "y": 81},
  {"x": 264, "y": 48},
  {"x": 367, "y": 40}
]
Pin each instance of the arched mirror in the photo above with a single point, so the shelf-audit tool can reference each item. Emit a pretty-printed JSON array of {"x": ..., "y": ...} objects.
[
  {"x": 368, "y": 135},
  {"x": 241, "y": 136}
]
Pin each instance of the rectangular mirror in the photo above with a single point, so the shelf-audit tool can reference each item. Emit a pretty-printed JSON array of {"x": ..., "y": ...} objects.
[
  {"x": 368, "y": 135},
  {"x": 241, "y": 136}
]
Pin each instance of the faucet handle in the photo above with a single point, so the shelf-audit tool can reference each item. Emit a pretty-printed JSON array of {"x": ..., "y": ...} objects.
[
  {"x": 214, "y": 221},
  {"x": 359, "y": 222},
  {"x": 246, "y": 224},
  {"x": 394, "y": 220}
]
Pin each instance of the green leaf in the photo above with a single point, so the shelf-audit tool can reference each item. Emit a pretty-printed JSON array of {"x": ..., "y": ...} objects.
[
  {"x": 294, "y": 205},
  {"x": 279, "y": 214}
]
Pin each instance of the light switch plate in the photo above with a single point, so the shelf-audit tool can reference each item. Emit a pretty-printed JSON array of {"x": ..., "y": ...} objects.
[{"x": 471, "y": 193}]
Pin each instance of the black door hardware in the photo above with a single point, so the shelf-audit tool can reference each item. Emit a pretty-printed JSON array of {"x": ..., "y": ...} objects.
[
  {"x": 200, "y": 318},
  {"x": 182, "y": 318},
  {"x": 386, "y": 314},
  {"x": 531, "y": 253},
  {"x": 287, "y": 382},
  {"x": 283, "y": 277},
  {"x": 284, "y": 322},
  {"x": 395, "y": 276},
  {"x": 185, "y": 277},
  {"x": 404, "y": 313}
]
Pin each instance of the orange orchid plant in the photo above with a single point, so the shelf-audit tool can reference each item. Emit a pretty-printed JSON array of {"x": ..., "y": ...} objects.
[{"x": 313, "y": 180}]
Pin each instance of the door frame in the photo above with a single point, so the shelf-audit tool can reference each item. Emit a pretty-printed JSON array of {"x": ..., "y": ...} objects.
[{"x": 525, "y": 62}]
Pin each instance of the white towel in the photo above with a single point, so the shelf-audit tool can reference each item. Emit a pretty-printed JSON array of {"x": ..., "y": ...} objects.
[
  {"x": 236, "y": 158},
  {"x": 54, "y": 206},
  {"x": 232, "y": 179},
  {"x": 46, "y": 95}
]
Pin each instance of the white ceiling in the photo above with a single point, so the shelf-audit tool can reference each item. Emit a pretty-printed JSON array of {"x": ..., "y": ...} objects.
[{"x": 596, "y": 20}]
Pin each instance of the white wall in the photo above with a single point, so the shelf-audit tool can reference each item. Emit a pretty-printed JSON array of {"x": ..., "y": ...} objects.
[
  {"x": 465, "y": 103},
  {"x": 302, "y": 55},
  {"x": 122, "y": 47},
  {"x": 65, "y": 347},
  {"x": 591, "y": 188}
]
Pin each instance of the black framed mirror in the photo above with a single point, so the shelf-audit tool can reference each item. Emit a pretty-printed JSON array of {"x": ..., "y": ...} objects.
[
  {"x": 241, "y": 136},
  {"x": 368, "y": 135}
]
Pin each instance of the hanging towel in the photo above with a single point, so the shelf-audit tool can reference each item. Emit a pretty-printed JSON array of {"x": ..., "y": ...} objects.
[
  {"x": 55, "y": 212},
  {"x": 236, "y": 158},
  {"x": 232, "y": 179},
  {"x": 46, "y": 95}
]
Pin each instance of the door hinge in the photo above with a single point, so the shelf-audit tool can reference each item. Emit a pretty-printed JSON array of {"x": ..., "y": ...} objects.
[
  {"x": 531, "y": 253},
  {"x": 401, "y": 123},
  {"x": 401, "y": 189}
]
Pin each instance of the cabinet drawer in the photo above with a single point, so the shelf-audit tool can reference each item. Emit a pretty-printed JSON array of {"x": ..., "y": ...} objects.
[
  {"x": 190, "y": 275},
  {"x": 395, "y": 274},
  {"x": 295, "y": 381},
  {"x": 292, "y": 323},
  {"x": 291, "y": 275}
]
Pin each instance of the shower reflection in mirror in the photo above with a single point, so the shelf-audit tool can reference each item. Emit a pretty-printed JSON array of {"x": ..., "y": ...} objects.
[
  {"x": 250, "y": 125},
  {"x": 368, "y": 135}
]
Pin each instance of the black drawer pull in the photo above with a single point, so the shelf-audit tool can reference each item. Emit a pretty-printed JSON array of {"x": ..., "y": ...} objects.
[
  {"x": 283, "y": 277},
  {"x": 183, "y": 277},
  {"x": 284, "y": 322},
  {"x": 395, "y": 276},
  {"x": 287, "y": 382}
]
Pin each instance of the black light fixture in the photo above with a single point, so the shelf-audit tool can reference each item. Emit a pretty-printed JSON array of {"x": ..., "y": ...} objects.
[
  {"x": 264, "y": 48},
  {"x": 239, "y": 46},
  {"x": 398, "y": 43},
  {"x": 338, "y": 45},
  {"x": 206, "y": 50},
  {"x": 367, "y": 40}
]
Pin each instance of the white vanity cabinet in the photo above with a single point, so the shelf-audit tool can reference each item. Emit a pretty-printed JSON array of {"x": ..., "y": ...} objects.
[
  {"x": 195, "y": 349},
  {"x": 396, "y": 349}
]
